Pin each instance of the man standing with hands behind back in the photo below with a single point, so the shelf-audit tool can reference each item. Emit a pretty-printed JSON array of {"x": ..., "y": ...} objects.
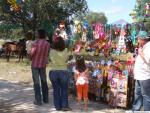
[
  {"x": 142, "y": 74},
  {"x": 39, "y": 56}
]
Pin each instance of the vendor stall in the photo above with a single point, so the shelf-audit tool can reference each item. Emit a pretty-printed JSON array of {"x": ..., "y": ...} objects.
[{"x": 111, "y": 81}]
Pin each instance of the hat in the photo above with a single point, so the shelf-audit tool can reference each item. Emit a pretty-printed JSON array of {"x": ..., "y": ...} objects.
[{"x": 142, "y": 35}]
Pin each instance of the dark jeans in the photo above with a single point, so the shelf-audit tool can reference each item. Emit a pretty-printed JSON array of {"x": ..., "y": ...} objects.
[
  {"x": 71, "y": 84},
  {"x": 142, "y": 95},
  {"x": 59, "y": 80},
  {"x": 40, "y": 83}
]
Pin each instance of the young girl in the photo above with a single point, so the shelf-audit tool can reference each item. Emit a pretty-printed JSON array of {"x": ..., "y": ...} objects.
[{"x": 81, "y": 78}]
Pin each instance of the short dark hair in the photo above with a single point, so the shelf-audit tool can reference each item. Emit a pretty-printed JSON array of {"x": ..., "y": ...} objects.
[
  {"x": 41, "y": 33},
  {"x": 58, "y": 43},
  {"x": 29, "y": 35}
]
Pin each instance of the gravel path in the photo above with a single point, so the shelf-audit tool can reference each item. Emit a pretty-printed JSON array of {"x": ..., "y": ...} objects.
[{"x": 15, "y": 98}]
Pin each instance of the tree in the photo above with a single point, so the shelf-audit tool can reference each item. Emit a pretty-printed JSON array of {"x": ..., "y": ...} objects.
[
  {"x": 147, "y": 24},
  {"x": 94, "y": 17},
  {"x": 140, "y": 14},
  {"x": 35, "y": 14}
]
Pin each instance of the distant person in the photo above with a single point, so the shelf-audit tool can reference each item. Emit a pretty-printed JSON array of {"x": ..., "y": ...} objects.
[
  {"x": 59, "y": 76},
  {"x": 142, "y": 74},
  {"x": 29, "y": 42},
  {"x": 61, "y": 31},
  {"x": 39, "y": 56},
  {"x": 81, "y": 79}
]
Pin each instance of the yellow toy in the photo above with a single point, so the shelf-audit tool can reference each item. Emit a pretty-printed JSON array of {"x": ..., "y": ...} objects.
[
  {"x": 12, "y": 2},
  {"x": 14, "y": 6}
]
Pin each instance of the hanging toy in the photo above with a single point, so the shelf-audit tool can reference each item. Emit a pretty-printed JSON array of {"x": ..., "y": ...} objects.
[
  {"x": 147, "y": 8},
  {"x": 12, "y": 2},
  {"x": 78, "y": 33},
  {"x": 78, "y": 26},
  {"x": 76, "y": 22},
  {"x": 85, "y": 24},
  {"x": 126, "y": 73},
  {"x": 84, "y": 36},
  {"x": 133, "y": 35},
  {"x": 14, "y": 6},
  {"x": 99, "y": 31}
]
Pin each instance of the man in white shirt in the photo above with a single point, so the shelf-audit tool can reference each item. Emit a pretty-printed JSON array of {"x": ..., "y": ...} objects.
[
  {"x": 29, "y": 42},
  {"x": 61, "y": 31},
  {"x": 142, "y": 74}
]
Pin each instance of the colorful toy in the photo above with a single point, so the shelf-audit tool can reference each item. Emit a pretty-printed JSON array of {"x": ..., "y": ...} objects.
[
  {"x": 14, "y": 6},
  {"x": 133, "y": 35},
  {"x": 147, "y": 8},
  {"x": 12, "y": 2},
  {"x": 99, "y": 31},
  {"x": 84, "y": 36},
  {"x": 85, "y": 24}
]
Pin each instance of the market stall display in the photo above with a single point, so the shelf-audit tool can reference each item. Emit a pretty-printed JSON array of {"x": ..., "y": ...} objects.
[{"x": 111, "y": 81}]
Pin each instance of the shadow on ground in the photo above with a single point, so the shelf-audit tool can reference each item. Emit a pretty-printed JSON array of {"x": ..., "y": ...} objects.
[{"x": 18, "y": 98}]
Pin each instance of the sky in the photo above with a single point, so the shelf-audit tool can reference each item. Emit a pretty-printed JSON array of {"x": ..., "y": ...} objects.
[{"x": 113, "y": 9}]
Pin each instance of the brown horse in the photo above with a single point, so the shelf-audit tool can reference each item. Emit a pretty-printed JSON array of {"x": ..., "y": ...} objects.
[{"x": 14, "y": 48}]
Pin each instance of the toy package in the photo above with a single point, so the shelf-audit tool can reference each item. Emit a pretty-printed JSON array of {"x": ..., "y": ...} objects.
[{"x": 110, "y": 80}]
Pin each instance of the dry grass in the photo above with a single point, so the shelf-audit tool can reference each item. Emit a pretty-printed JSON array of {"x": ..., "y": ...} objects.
[
  {"x": 14, "y": 71},
  {"x": 20, "y": 72},
  {"x": 17, "y": 72}
]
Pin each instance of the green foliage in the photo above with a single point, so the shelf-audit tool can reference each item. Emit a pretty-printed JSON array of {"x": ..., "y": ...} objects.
[
  {"x": 35, "y": 13},
  {"x": 141, "y": 13},
  {"x": 94, "y": 17},
  {"x": 147, "y": 24}
]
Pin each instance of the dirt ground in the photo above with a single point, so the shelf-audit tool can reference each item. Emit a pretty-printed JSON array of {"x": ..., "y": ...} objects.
[
  {"x": 16, "y": 98},
  {"x": 16, "y": 92}
]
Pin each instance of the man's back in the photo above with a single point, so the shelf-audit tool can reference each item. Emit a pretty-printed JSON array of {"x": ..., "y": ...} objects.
[{"x": 40, "y": 57}]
